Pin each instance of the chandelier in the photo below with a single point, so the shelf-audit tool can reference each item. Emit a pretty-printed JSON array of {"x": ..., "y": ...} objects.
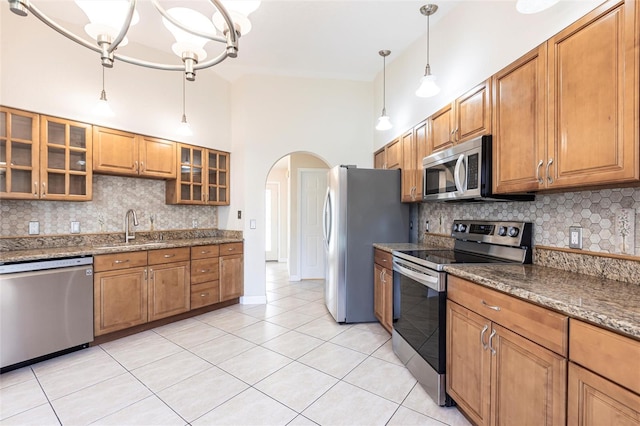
[{"x": 110, "y": 21}]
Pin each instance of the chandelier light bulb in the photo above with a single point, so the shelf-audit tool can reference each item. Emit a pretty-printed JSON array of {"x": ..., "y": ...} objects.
[
  {"x": 185, "y": 41},
  {"x": 102, "y": 107},
  {"x": 428, "y": 86},
  {"x": 384, "y": 122}
]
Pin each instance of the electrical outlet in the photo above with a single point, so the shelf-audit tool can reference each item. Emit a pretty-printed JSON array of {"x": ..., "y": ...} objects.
[
  {"x": 75, "y": 227},
  {"x": 575, "y": 237},
  {"x": 34, "y": 228},
  {"x": 194, "y": 223}
]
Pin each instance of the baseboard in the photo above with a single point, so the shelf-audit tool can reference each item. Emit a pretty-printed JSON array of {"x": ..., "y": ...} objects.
[{"x": 253, "y": 300}]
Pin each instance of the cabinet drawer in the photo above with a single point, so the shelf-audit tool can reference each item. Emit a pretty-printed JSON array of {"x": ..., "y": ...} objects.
[
  {"x": 230, "y": 248},
  {"x": 383, "y": 258},
  {"x": 158, "y": 257},
  {"x": 203, "y": 252},
  {"x": 204, "y": 270},
  {"x": 109, "y": 262},
  {"x": 606, "y": 353},
  {"x": 542, "y": 326},
  {"x": 205, "y": 294}
]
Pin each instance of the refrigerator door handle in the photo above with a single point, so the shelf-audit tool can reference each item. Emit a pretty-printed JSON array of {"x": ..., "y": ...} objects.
[{"x": 326, "y": 219}]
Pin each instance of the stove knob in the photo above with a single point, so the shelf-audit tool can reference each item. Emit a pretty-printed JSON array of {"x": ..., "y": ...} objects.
[
  {"x": 462, "y": 227},
  {"x": 513, "y": 231},
  {"x": 455, "y": 227},
  {"x": 502, "y": 231}
]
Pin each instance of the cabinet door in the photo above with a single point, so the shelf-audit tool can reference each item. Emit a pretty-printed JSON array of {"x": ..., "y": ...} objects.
[
  {"x": 120, "y": 300},
  {"x": 115, "y": 152},
  {"x": 65, "y": 159},
  {"x": 231, "y": 272},
  {"x": 473, "y": 113},
  {"x": 189, "y": 186},
  {"x": 527, "y": 382},
  {"x": 157, "y": 157},
  {"x": 169, "y": 290},
  {"x": 469, "y": 362},
  {"x": 217, "y": 178},
  {"x": 394, "y": 154},
  {"x": 379, "y": 159},
  {"x": 378, "y": 293},
  {"x": 593, "y": 98},
  {"x": 519, "y": 137},
  {"x": 19, "y": 154},
  {"x": 387, "y": 299},
  {"x": 595, "y": 401},
  {"x": 422, "y": 150},
  {"x": 408, "y": 167},
  {"x": 441, "y": 129}
]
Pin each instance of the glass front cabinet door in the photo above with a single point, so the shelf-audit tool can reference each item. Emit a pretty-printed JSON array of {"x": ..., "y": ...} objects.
[
  {"x": 19, "y": 154},
  {"x": 65, "y": 159}
]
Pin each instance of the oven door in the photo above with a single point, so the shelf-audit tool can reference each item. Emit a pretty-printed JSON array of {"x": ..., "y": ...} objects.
[{"x": 419, "y": 333}]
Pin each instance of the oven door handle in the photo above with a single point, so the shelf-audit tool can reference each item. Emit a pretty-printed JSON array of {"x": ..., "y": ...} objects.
[
  {"x": 433, "y": 282},
  {"x": 456, "y": 175}
]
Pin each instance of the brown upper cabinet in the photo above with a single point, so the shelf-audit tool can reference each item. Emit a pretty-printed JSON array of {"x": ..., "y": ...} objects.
[
  {"x": 593, "y": 99},
  {"x": 591, "y": 112},
  {"x": 128, "y": 154},
  {"x": 390, "y": 156},
  {"x": 519, "y": 133},
  {"x": 203, "y": 177},
  {"x": 414, "y": 149},
  {"x": 44, "y": 157},
  {"x": 465, "y": 118}
]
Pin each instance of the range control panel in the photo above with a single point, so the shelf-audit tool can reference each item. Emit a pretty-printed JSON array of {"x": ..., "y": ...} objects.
[{"x": 514, "y": 234}]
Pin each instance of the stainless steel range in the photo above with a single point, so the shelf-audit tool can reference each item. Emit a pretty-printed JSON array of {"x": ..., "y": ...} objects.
[{"x": 420, "y": 292}]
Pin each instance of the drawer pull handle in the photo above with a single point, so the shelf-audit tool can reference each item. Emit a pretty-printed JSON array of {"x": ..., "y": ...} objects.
[
  {"x": 117, "y": 262},
  {"x": 231, "y": 249},
  {"x": 205, "y": 252},
  {"x": 493, "y": 333},
  {"x": 204, "y": 294},
  {"x": 167, "y": 256},
  {"x": 495, "y": 308},
  {"x": 484, "y": 330},
  {"x": 202, "y": 271}
]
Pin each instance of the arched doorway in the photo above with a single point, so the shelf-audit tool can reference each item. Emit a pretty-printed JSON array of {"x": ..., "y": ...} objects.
[{"x": 294, "y": 192}]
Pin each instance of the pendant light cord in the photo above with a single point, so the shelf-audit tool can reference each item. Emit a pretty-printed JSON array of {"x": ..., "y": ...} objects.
[
  {"x": 428, "y": 40},
  {"x": 184, "y": 112},
  {"x": 384, "y": 85}
]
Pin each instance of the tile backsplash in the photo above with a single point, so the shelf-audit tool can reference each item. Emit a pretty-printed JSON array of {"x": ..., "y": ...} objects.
[
  {"x": 607, "y": 218},
  {"x": 112, "y": 197}
]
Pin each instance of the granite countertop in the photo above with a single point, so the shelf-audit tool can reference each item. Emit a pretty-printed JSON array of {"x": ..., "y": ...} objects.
[
  {"x": 389, "y": 247},
  {"x": 107, "y": 248},
  {"x": 608, "y": 303}
]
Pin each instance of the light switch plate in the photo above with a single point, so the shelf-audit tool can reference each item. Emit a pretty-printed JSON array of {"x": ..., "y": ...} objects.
[
  {"x": 575, "y": 237},
  {"x": 252, "y": 224},
  {"x": 34, "y": 228},
  {"x": 75, "y": 227}
]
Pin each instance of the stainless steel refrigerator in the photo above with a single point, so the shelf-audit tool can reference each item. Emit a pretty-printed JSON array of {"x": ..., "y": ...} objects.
[{"x": 362, "y": 207}]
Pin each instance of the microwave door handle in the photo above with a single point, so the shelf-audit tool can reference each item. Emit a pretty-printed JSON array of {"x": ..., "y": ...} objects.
[{"x": 456, "y": 175}]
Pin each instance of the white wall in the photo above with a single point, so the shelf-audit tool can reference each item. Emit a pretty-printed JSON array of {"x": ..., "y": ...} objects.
[
  {"x": 468, "y": 45},
  {"x": 281, "y": 177},
  {"x": 45, "y": 72},
  {"x": 274, "y": 116}
]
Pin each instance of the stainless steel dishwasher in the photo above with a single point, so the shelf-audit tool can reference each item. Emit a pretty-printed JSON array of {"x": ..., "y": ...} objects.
[{"x": 46, "y": 307}]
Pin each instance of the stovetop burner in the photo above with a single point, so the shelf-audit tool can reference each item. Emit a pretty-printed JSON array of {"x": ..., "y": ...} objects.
[{"x": 445, "y": 256}]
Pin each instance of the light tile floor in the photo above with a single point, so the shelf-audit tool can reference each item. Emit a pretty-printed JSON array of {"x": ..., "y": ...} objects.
[{"x": 283, "y": 363}]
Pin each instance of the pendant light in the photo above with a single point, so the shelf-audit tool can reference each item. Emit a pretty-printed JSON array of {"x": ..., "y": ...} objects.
[
  {"x": 428, "y": 86},
  {"x": 102, "y": 107},
  {"x": 384, "y": 123},
  {"x": 185, "y": 128}
]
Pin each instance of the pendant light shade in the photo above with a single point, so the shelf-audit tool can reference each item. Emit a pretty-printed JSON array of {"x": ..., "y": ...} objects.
[
  {"x": 534, "y": 6},
  {"x": 106, "y": 17},
  {"x": 384, "y": 122},
  {"x": 428, "y": 86}
]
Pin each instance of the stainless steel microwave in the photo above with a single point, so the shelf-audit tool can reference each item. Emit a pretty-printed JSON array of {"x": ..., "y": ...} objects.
[{"x": 463, "y": 173}]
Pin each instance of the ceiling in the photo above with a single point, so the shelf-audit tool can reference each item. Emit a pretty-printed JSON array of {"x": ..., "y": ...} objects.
[{"x": 309, "y": 38}]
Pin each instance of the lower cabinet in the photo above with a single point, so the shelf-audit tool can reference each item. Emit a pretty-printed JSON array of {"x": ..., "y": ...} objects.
[
  {"x": 231, "y": 268},
  {"x": 498, "y": 376},
  {"x": 169, "y": 290},
  {"x": 205, "y": 283},
  {"x": 603, "y": 390},
  {"x": 383, "y": 288}
]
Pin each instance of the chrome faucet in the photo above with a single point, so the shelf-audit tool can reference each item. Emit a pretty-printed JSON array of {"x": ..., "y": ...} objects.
[{"x": 128, "y": 237}]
